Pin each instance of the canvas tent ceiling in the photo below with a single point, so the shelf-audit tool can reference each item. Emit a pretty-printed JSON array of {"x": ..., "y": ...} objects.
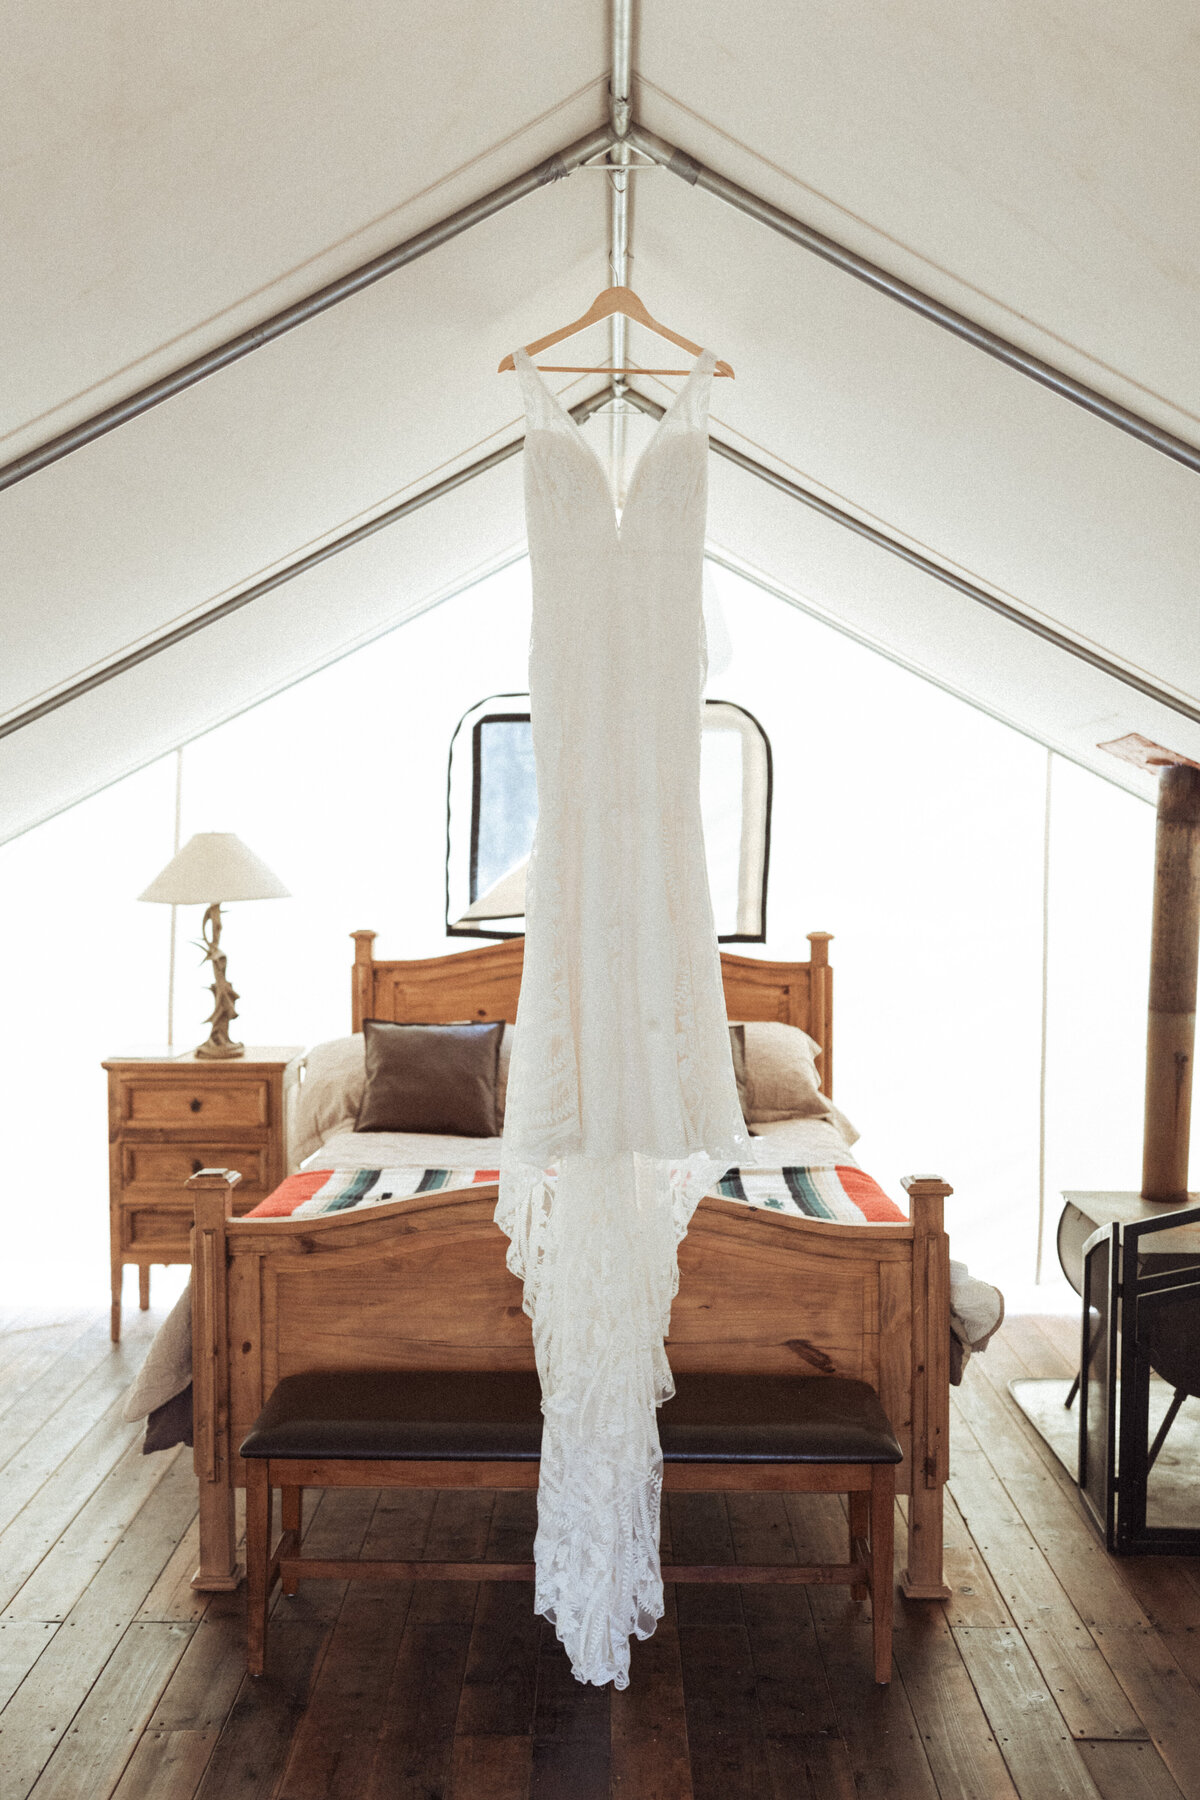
[{"x": 170, "y": 181}]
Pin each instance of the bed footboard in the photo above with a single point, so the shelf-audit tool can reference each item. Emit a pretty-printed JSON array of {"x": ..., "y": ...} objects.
[{"x": 422, "y": 1283}]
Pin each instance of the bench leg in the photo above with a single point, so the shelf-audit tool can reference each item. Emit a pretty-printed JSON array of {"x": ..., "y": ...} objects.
[
  {"x": 291, "y": 1503},
  {"x": 883, "y": 1507},
  {"x": 860, "y": 1516},
  {"x": 258, "y": 1558}
]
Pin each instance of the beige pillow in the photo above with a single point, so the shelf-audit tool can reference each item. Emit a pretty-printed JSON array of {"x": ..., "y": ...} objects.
[
  {"x": 330, "y": 1096},
  {"x": 776, "y": 1072}
]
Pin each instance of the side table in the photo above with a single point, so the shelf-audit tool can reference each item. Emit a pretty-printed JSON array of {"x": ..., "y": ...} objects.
[
  {"x": 172, "y": 1116},
  {"x": 1138, "y": 1273}
]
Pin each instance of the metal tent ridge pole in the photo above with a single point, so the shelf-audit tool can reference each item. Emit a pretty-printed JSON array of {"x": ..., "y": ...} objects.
[
  {"x": 289, "y": 572},
  {"x": 927, "y": 566},
  {"x": 696, "y": 174},
  {"x": 553, "y": 168},
  {"x": 620, "y": 104}
]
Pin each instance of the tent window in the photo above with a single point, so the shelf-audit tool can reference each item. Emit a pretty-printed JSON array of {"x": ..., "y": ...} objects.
[{"x": 492, "y": 811}]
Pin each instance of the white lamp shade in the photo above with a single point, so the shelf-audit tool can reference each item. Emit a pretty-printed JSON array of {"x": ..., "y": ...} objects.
[{"x": 214, "y": 865}]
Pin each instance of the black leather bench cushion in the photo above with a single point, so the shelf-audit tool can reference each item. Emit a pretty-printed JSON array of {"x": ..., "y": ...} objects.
[{"x": 496, "y": 1417}]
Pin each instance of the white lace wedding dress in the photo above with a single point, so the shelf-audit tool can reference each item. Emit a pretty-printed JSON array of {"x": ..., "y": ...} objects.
[{"x": 621, "y": 1100}]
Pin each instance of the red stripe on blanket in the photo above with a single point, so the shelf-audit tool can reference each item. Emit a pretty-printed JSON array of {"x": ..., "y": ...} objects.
[
  {"x": 870, "y": 1198},
  {"x": 860, "y": 1187},
  {"x": 290, "y": 1194}
]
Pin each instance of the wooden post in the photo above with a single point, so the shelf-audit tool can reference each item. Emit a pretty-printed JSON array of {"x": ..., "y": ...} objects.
[
  {"x": 218, "y": 1570},
  {"x": 362, "y": 996},
  {"x": 821, "y": 1004},
  {"x": 923, "y": 1578},
  {"x": 1174, "y": 944}
]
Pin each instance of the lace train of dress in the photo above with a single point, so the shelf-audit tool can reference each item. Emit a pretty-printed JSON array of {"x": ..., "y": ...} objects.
[{"x": 621, "y": 1102}]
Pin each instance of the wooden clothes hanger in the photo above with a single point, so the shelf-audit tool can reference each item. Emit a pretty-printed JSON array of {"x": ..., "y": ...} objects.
[{"x": 611, "y": 300}]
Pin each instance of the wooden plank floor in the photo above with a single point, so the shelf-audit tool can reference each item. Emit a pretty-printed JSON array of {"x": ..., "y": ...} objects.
[{"x": 1053, "y": 1671}]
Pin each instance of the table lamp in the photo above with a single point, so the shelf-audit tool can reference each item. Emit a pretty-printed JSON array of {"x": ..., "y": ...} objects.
[{"x": 212, "y": 867}]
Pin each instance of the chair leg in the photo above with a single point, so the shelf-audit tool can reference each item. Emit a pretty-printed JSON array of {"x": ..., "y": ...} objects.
[
  {"x": 883, "y": 1507},
  {"x": 291, "y": 1504},
  {"x": 144, "y": 1286},
  {"x": 860, "y": 1526},
  {"x": 258, "y": 1558},
  {"x": 1172, "y": 1414}
]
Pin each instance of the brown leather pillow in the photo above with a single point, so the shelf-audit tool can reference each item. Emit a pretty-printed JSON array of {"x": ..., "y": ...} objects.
[{"x": 435, "y": 1078}]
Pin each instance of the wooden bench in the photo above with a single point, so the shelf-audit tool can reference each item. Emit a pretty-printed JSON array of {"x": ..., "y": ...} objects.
[{"x": 456, "y": 1429}]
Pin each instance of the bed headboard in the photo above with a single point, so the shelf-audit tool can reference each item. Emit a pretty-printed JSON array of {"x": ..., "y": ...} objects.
[{"x": 485, "y": 983}]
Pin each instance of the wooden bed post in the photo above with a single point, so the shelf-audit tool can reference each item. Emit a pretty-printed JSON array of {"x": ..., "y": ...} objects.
[
  {"x": 923, "y": 1578},
  {"x": 820, "y": 1010},
  {"x": 362, "y": 996},
  {"x": 219, "y": 1569},
  {"x": 1170, "y": 1039}
]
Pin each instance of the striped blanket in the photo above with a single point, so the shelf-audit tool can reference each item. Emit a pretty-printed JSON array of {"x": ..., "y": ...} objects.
[{"x": 843, "y": 1194}]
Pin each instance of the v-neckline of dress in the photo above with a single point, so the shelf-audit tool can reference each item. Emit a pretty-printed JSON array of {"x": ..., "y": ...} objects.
[{"x": 704, "y": 364}]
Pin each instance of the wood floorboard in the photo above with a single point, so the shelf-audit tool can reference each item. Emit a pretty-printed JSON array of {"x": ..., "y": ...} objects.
[
  {"x": 34, "y": 1353},
  {"x": 21, "y": 1643},
  {"x": 1053, "y": 1670},
  {"x": 876, "y": 1724},
  {"x": 1065, "y": 1335},
  {"x": 1041, "y": 1755},
  {"x": 166, "y": 1765},
  {"x": 957, "y": 1736},
  {"x": 91, "y": 1757},
  {"x": 173, "y": 1599},
  {"x": 415, "y": 1734},
  {"x": 1042, "y": 1358},
  {"x": 490, "y": 1768},
  {"x": 1128, "y": 1771},
  {"x": 41, "y": 1711},
  {"x": 61, "y": 1464},
  {"x": 206, "y": 1679},
  {"x": 333, "y": 1746},
  {"x": 649, "y": 1757},
  {"x": 975, "y": 1599},
  {"x": 252, "y": 1748},
  {"x": 70, "y": 1563}
]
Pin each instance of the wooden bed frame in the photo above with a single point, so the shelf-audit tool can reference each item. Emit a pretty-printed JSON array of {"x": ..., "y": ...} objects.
[{"x": 422, "y": 1283}]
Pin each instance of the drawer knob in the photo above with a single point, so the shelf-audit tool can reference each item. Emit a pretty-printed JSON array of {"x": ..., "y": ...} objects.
[
  {"x": 197, "y": 1165},
  {"x": 196, "y": 1105}
]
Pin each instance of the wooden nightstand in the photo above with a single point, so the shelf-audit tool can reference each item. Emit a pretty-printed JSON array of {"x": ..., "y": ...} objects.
[{"x": 168, "y": 1118}]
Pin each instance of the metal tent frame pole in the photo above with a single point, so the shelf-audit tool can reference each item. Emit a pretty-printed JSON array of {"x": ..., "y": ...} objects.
[
  {"x": 782, "y": 483},
  {"x": 880, "y": 539},
  {"x": 553, "y": 168},
  {"x": 620, "y": 102},
  {"x": 300, "y": 566},
  {"x": 696, "y": 174}
]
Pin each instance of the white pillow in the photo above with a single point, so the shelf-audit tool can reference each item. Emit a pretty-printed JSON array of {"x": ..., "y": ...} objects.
[{"x": 331, "y": 1092}]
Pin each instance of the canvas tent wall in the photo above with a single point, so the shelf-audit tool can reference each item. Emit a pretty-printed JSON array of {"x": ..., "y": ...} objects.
[
  {"x": 168, "y": 184},
  {"x": 1035, "y": 178}
]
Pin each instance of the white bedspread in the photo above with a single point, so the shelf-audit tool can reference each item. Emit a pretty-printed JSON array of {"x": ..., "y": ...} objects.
[{"x": 807, "y": 1143}]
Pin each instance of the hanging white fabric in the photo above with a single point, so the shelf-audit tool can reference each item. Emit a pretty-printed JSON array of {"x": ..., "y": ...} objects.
[{"x": 621, "y": 1105}]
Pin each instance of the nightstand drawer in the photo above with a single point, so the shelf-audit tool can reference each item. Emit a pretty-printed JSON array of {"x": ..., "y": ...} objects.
[
  {"x": 206, "y": 1102},
  {"x": 169, "y": 1166},
  {"x": 166, "y": 1229}
]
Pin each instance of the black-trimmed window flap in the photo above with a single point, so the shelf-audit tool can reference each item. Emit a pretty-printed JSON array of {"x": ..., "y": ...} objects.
[{"x": 492, "y": 814}]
